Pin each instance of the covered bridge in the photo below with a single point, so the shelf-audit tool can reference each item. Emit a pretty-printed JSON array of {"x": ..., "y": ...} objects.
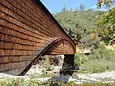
[{"x": 28, "y": 31}]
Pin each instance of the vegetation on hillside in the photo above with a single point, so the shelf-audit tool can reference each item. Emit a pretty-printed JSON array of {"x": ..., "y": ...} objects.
[
  {"x": 80, "y": 25},
  {"x": 100, "y": 60},
  {"x": 88, "y": 28}
]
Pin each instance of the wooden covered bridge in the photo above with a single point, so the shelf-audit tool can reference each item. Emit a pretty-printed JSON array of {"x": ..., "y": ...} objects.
[{"x": 28, "y": 31}]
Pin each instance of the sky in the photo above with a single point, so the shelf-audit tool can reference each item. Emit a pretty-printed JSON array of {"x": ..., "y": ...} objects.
[{"x": 55, "y": 6}]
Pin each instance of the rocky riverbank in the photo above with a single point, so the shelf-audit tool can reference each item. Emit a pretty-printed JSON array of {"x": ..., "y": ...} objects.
[
  {"x": 106, "y": 77},
  {"x": 44, "y": 73},
  {"x": 37, "y": 74}
]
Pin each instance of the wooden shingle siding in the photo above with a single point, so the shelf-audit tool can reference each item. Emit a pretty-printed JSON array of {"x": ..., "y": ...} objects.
[
  {"x": 11, "y": 66},
  {"x": 62, "y": 47},
  {"x": 27, "y": 31},
  {"x": 15, "y": 58}
]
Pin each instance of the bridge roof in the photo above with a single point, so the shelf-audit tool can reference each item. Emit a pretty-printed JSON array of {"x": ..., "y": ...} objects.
[{"x": 47, "y": 11}]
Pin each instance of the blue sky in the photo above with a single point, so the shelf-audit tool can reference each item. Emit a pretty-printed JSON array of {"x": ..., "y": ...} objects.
[{"x": 55, "y": 6}]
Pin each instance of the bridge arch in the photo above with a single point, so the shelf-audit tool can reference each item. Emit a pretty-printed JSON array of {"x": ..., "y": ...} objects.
[{"x": 50, "y": 50}]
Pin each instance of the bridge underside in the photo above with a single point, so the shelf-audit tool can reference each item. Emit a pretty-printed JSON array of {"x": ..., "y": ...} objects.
[{"x": 55, "y": 47}]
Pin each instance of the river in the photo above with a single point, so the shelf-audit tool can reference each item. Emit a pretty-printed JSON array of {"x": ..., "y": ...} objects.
[
  {"x": 96, "y": 84},
  {"x": 83, "y": 84}
]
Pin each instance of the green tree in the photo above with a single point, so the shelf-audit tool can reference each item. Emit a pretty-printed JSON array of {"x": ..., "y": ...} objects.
[
  {"x": 64, "y": 9},
  {"x": 79, "y": 25},
  {"x": 107, "y": 3},
  {"x": 106, "y": 22},
  {"x": 82, "y": 7},
  {"x": 71, "y": 9}
]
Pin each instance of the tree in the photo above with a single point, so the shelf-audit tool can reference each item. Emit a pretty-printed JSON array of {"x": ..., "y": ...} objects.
[
  {"x": 71, "y": 9},
  {"x": 82, "y": 7},
  {"x": 106, "y": 22},
  {"x": 79, "y": 25},
  {"x": 107, "y": 3},
  {"x": 90, "y": 10},
  {"x": 64, "y": 9}
]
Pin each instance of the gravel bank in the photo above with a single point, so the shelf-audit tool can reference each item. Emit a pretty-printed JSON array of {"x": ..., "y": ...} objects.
[{"x": 106, "y": 77}]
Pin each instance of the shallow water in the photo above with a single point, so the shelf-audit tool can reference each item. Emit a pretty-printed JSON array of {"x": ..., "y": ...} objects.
[
  {"x": 83, "y": 84},
  {"x": 95, "y": 84}
]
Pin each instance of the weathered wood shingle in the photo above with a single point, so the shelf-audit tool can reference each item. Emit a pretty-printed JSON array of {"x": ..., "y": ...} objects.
[{"x": 27, "y": 31}]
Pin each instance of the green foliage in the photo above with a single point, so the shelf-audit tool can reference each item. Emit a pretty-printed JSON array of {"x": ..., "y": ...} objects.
[
  {"x": 12, "y": 82},
  {"x": 94, "y": 66},
  {"x": 102, "y": 53},
  {"x": 107, "y": 26},
  {"x": 106, "y": 22},
  {"x": 79, "y": 25},
  {"x": 107, "y": 3},
  {"x": 36, "y": 82},
  {"x": 77, "y": 58},
  {"x": 82, "y": 7},
  {"x": 100, "y": 60},
  {"x": 33, "y": 83}
]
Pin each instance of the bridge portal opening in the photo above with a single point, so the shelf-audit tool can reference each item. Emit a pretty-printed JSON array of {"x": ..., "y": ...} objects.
[
  {"x": 54, "y": 65},
  {"x": 55, "y": 48}
]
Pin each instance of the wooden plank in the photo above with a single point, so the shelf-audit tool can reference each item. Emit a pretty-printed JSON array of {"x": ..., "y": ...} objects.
[
  {"x": 16, "y": 52},
  {"x": 19, "y": 26},
  {"x": 62, "y": 47},
  {"x": 15, "y": 59},
  {"x": 11, "y": 66},
  {"x": 25, "y": 16},
  {"x": 38, "y": 14},
  {"x": 17, "y": 16},
  {"x": 16, "y": 46},
  {"x": 13, "y": 33},
  {"x": 14, "y": 39}
]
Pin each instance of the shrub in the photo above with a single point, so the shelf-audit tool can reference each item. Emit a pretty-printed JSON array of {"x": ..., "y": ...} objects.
[
  {"x": 100, "y": 60},
  {"x": 12, "y": 82},
  {"x": 95, "y": 66}
]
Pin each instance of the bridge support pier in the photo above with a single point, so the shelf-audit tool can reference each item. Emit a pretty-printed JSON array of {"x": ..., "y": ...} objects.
[{"x": 68, "y": 65}]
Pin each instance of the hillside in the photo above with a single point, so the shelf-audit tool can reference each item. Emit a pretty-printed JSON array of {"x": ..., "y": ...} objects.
[
  {"x": 79, "y": 25},
  {"x": 82, "y": 27}
]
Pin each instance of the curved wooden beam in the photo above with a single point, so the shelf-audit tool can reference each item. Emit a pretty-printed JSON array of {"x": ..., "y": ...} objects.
[{"x": 44, "y": 50}]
